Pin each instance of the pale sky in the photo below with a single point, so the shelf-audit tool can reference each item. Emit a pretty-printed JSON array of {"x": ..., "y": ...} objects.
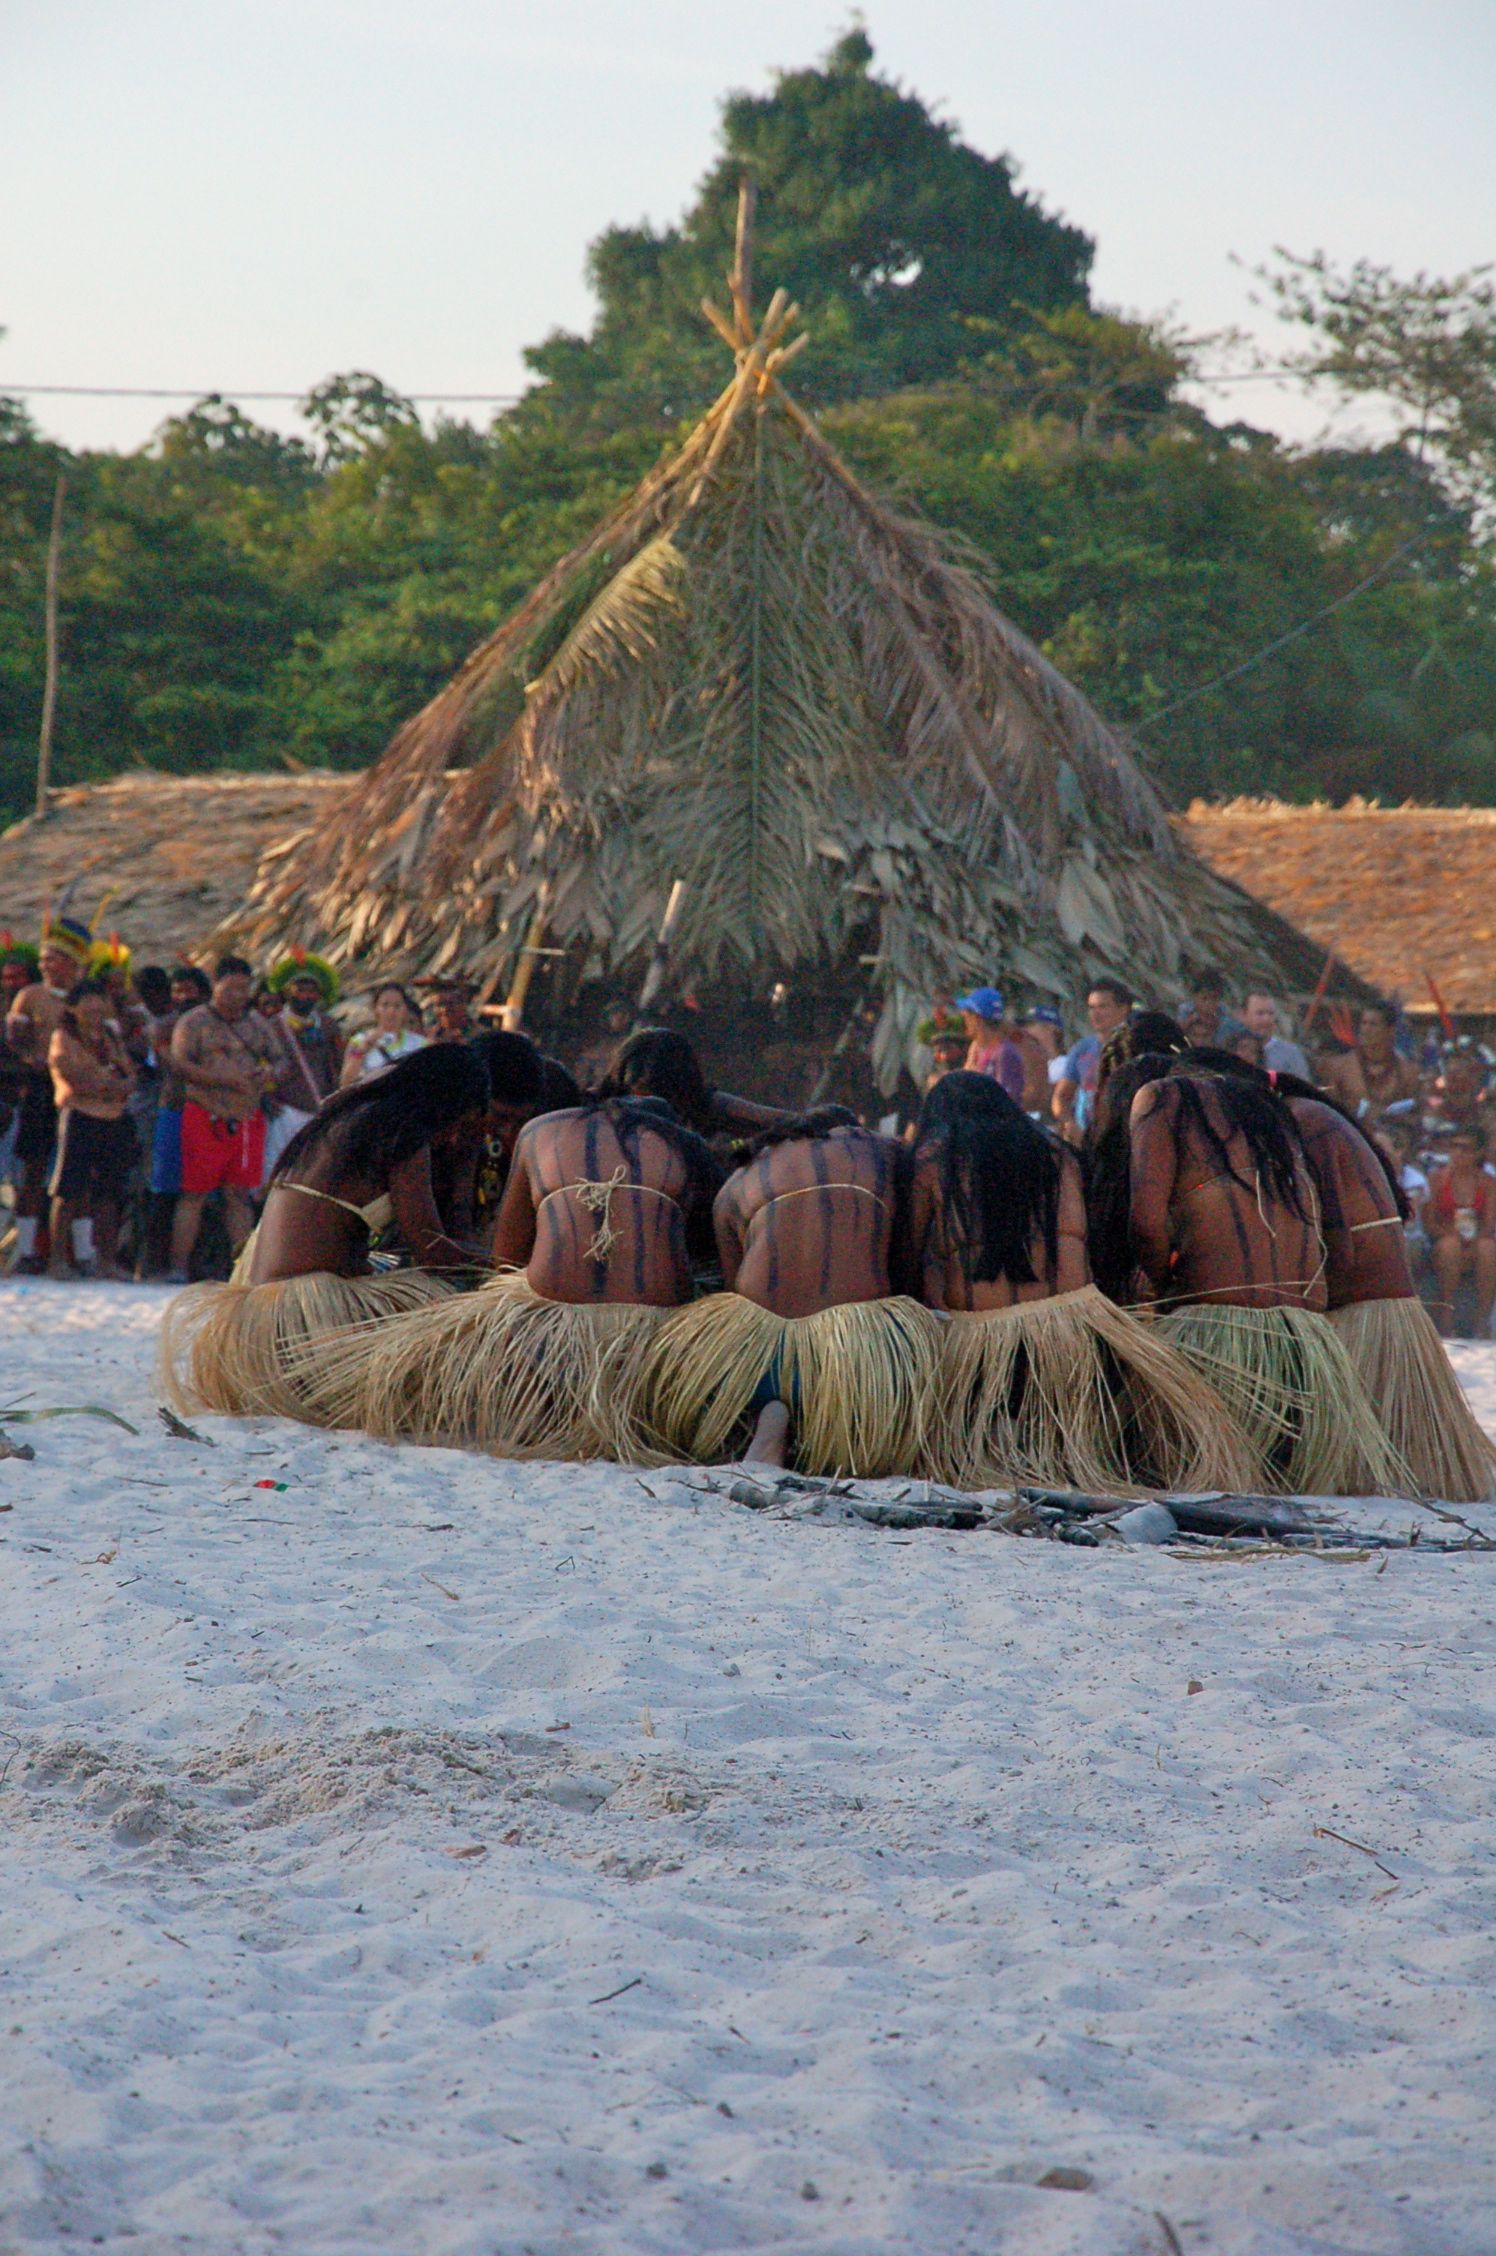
[{"x": 245, "y": 195}]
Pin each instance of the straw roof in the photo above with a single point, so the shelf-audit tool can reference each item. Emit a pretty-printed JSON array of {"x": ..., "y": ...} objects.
[
  {"x": 1403, "y": 894},
  {"x": 759, "y": 680},
  {"x": 174, "y": 855}
]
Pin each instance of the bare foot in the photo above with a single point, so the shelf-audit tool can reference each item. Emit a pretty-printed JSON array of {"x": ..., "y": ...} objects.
[{"x": 770, "y": 1436}]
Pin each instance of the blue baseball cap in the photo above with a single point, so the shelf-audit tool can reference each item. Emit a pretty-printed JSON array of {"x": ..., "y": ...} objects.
[
  {"x": 1047, "y": 1015},
  {"x": 987, "y": 1002}
]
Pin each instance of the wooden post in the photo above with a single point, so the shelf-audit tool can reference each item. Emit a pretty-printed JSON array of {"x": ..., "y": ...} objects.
[
  {"x": 49, "y": 692},
  {"x": 529, "y": 955},
  {"x": 740, "y": 281},
  {"x": 654, "y": 978}
]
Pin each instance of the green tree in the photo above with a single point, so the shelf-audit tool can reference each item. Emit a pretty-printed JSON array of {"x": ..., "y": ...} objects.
[
  {"x": 897, "y": 239},
  {"x": 1425, "y": 345}
]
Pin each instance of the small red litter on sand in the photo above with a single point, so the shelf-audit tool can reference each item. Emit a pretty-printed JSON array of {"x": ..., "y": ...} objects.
[{"x": 280, "y": 1487}]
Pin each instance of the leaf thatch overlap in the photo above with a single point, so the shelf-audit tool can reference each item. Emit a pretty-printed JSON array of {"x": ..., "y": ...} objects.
[{"x": 758, "y": 678}]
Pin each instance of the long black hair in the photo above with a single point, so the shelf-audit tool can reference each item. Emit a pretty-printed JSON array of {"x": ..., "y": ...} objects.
[
  {"x": 999, "y": 1177},
  {"x": 656, "y": 1062},
  {"x": 1294, "y": 1085},
  {"x": 1109, "y": 1172},
  {"x": 1210, "y": 1082},
  {"x": 513, "y": 1066},
  {"x": 802, "y": 1128},
  {"x": 388, "y": 1117}
]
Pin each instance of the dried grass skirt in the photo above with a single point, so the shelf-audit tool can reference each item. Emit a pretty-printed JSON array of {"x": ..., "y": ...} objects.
[
  {"x": 1402, "y": 1364},
  {"x": 501, "y": 1368},
  {"x": 1073, "y": 1392},
  {"x": 1290, "y": 1386},
  {"x": 859, "y": 1380},
  {"x": 250, "y": 1350}
]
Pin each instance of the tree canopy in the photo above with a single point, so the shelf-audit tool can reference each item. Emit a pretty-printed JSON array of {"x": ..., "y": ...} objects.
[{"x": 1303, "y": 621}]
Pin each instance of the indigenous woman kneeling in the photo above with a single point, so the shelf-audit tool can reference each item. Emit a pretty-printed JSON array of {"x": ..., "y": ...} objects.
[
  {"x": 809, "y": 1339},
  {"x": 1374, "y": 1306},
  {"x": 1041, "y": 1377},
  {"x": 252, "y": 1347},
  {"x": 591, "y": 1246},
  {"x": 1204, "y": 1209}
]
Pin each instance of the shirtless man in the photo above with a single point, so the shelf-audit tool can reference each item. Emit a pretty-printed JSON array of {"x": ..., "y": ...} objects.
[
  {"x": 1369, "y": 1078},
  {"x": 808, "y": 1224},
  {"x": 1461, "y": 1221},
  {"x": 92, "y": 1077},
  {"x": 598, "y": 1200},
  {"x": 228, "y": 1059},
  {"x": 1223, "y": 1207},
  {"x": 34, "y": 1018}
]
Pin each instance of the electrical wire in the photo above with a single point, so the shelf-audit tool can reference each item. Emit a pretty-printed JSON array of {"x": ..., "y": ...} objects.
[
  {"x": 210, "y": 391},
  {"x": 1280, "y": 642}
]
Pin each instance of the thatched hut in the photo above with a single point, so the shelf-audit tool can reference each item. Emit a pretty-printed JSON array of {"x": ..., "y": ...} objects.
[{"x": 760, "y": 681}]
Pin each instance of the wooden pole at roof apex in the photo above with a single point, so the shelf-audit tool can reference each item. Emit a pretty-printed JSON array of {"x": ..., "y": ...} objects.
[{"x": 740, "y": 281}]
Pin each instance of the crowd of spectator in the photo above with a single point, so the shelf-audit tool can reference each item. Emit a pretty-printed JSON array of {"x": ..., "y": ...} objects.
[{"x": 142, "y": 1109}]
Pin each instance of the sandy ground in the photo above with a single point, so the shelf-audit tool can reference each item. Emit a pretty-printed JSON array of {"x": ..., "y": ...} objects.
[{"x": 443, "y": 1858}]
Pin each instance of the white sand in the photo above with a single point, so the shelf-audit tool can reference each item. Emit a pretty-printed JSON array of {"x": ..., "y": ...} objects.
[{"x": 920, "y": 1869}]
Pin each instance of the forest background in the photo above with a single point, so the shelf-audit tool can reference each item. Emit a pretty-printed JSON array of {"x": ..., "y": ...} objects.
[{"x": 1310, "y": 621}]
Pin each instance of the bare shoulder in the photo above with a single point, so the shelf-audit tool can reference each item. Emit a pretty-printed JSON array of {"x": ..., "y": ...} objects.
[{"x": 1155, "y": 1097}]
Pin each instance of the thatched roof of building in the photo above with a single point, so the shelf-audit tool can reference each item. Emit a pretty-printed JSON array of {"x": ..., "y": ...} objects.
[
  {"x": 1402, "y": 894},
  {"x": 756, "y": 678},
  {"x": 177, "y": 854}
]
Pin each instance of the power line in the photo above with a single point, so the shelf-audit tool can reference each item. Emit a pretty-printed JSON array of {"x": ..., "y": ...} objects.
[
  {"x": 219, "y": 391},
  {"x": 1233, "y": 673}
]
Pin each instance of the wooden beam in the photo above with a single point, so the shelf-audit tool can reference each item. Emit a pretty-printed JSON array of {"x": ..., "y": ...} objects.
[
  {"x": 740, "y": 281},
  {"x": 49, "y": 692}
]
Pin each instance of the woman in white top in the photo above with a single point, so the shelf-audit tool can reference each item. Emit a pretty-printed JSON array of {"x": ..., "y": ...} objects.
[{"x": 395, "y": 1034}]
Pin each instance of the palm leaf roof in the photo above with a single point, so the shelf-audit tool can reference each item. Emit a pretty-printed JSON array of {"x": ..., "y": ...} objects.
[{"x": 760, "y": 680}]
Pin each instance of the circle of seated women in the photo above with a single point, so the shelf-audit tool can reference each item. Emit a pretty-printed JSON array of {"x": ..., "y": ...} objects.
[{"x": 1213, "y": 1295}]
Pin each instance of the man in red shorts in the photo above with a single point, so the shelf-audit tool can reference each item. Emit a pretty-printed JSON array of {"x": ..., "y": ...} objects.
[{"x": 228, "y": 1058}]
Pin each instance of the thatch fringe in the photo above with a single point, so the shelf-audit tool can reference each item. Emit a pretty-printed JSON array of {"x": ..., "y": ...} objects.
[
  {"x": 858, "y": 1380},
  {"x": 501, "y": 1368},
  {"x": 248, "y": 1350},
  {"x": 1073, "y": 1392},
  {"x": 1289, "y": 1385},
  {"x": 1403, "y": 1366}
]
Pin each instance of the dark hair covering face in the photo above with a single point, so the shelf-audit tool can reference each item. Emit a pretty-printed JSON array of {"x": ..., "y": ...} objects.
[
  {"x": 657, "y": 1062},
  {"x": 1149, "y": 1033},
  {"x": 804, "y": 1127},
  {"x": 377, "y": 1123},
  {"x": 513, "y": 1064},
  {"x": 999, "y": 1178}
]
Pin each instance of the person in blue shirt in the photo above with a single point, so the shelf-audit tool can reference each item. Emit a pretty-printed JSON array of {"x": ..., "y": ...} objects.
[{"x": 1107, "y": 1005}]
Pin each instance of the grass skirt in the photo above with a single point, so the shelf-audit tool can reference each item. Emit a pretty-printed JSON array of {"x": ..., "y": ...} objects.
[
  {"x": 502, "y": 1367},
  {"x": 1401, "y": 1362},
  {"x": 859, "y": 1380},
  {"x": 1072, "y": 1392},
  {"x": 249, "y": 1350},
  {"x": 1290, "y": 1386}
]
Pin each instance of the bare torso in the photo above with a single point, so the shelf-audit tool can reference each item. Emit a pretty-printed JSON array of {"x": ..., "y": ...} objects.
[
  {"x": 592, "y": 1218},
  {"x": 1366, "y": 1254},
  {"x": 809, "y": 1225},
  {"x": 944, "y": 1282},
  {"x": 1202, "y": 1233},
  {"x": 313, "y": 1218}
]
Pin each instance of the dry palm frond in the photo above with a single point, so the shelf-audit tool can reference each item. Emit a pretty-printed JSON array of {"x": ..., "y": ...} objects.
[{"x": 758, "y": 678}]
